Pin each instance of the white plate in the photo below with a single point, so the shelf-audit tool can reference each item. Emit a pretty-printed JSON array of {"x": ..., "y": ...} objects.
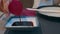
[{"x": 51, "y": 11}]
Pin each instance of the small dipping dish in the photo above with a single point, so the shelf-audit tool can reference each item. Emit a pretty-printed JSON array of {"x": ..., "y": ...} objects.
[{"x": 26, "y": 23}]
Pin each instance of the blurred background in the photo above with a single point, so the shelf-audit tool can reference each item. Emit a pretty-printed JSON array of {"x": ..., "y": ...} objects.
[{"x": 26, "y": 4}]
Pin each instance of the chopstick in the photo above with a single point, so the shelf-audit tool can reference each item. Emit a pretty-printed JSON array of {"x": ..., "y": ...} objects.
[{"x": 45, "y": 11}]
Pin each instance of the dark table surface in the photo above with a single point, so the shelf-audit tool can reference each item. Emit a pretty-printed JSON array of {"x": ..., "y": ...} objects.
[
  {"x": 36, "y": 31},
  {"x": 49, "y": 27}
]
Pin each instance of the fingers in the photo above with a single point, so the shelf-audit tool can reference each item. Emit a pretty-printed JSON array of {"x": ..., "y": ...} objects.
[{"x": 4, "y": 5}]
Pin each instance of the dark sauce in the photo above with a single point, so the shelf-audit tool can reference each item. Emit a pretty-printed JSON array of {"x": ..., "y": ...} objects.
[{"x": 23, "y": 23}]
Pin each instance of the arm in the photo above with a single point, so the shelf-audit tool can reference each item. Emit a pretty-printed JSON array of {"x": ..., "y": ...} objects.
[{"x": 36, "y": 3}]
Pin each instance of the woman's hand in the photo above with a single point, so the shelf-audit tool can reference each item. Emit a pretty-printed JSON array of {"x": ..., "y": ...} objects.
[{"x": 4, "y": 6}]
